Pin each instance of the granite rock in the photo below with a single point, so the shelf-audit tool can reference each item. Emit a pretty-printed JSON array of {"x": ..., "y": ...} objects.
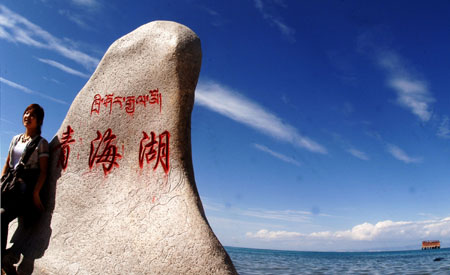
[{"x": 121, "y": 196}]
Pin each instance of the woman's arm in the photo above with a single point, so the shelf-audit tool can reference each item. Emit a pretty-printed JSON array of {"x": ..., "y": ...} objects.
[
  {"x": 43, "y": 164},
  {"x": 6, "y": 167}
]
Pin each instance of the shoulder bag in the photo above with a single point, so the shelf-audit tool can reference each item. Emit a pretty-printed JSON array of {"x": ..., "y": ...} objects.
[{"x": 11, "y": 177}]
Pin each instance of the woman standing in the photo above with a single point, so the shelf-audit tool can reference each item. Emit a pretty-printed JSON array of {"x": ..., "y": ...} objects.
[{"x": 24, "y": 198}]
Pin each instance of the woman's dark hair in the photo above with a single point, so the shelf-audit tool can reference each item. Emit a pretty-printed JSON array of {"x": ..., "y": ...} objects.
[{"x": 38, "y": 111}]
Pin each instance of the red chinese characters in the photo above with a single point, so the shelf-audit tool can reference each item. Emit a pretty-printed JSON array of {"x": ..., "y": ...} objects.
[
  {"x": 66, "y": 140},
  {"x": 151, "y": 149},
  {"x": 127, "y": 103},
  {"x": 104, "y": 152}
]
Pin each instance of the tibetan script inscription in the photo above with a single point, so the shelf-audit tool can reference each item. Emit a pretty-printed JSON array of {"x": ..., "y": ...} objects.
[
  {"x": 127, "y": 103},
  {"x": 151, "y": 149},
  {"x": 104, "y": 152},
  {"x": 66, "y": 140}
]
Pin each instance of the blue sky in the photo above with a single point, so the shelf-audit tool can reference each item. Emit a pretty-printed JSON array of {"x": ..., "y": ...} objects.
[{"x": 318, "y": 125}]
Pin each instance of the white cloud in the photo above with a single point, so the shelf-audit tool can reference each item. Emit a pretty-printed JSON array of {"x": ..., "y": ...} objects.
[
  {"x": 358, "y": 154},
  {"x": 63, "y": 67},
  {"x": 29, "y": 91},
  {"x": 86, "y": 3},
  {"x": 52, "y": 80},
  {"x": 215, "y": 18},
  {"x": 274, "y": 235},
  {"x": 220, "y": 223},
  {"x": 381, "y": 231},
  {"x": 287, "y": 31},
  {"x": 347, "y": 146},
  {"x": 259, "y": 5},
  {"x": 82, "y": 12},
  {"x": 413, "y": 95},
  {"x": 444, "y": 128},
  {"x": 429, "y": 215},
  {"x": 17, "y": 29},
  {"x": 235, "y": 106},
  {"x": 399, "y": 154},
  {"x": 76, "y": 18},
  {"x": 412, "y": 92},
  {"x": 277, "y": 155},
  {"x": 277, "y": 215},
  {"x": 284, "y": 28},
  {"x": 281, "y": 215},
  {"x": 4, "y": 34}
]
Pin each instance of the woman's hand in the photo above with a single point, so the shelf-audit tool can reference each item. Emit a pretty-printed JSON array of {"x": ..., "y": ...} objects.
[
  {"x": 43, "y": 164},
  {"x": 37, "y": 202}
]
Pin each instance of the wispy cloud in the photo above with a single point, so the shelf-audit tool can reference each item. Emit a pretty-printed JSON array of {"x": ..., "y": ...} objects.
[
  {"x": 274, "y": 235},
  {"x": 399, "y": 154},
  {"x": 428, "y": 215},
  {"x": 393, "y": 149},
  {"x": 414, "y": 95},
  {"x": 444, "y": 128},
  {"x": 76, "y": 18},
  {"x": 381, "y": 231},
  {"x": 29, "y": 91},
  {"x": 265, "y": 214},
  {"x": 231, "y": 224},
  {"x": 412, "y": 92},
  {"x": 277, "y": 155},
  {"x": 348, "y": 147},
  {"x": 281, "y": 215},
  {"x": 262, "y": 7},
  {"x": 235, "y": 106},
  {"x": 358, "y": 154},
  {"x": 215, "y": 18},
  {"x": 52, "y": 80},
  {"x": 87, "y": 3},
  {"x": 63, "y": 67},
  {"x": 81, "y": 12},
  {"x": 17, "y": 29}
]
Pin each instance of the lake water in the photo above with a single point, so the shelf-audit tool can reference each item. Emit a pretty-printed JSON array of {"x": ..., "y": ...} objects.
[{"x": 258, "y": 261}]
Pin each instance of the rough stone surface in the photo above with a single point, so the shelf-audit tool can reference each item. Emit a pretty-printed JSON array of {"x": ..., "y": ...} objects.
[{"x": 121, "y": 200}]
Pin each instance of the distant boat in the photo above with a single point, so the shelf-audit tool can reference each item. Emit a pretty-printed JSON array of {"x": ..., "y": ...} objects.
[{"x": 431, "y": 245}]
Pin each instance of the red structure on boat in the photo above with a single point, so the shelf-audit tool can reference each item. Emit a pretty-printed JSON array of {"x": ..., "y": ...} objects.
[{"x": 431, "y": 245}]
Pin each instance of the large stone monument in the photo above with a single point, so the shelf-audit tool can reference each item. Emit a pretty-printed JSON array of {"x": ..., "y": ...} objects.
[{"x": 121, "y": 197}]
